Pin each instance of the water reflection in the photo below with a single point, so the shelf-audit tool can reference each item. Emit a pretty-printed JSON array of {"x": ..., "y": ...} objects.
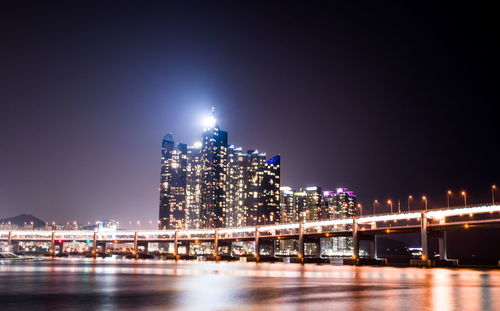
[{"x": 158, "y": 285}]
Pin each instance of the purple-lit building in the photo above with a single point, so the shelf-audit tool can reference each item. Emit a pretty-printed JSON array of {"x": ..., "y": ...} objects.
[{"x": 340, "y": 203}]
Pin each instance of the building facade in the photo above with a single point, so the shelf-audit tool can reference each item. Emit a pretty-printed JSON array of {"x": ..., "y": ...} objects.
[
  {"x": 172, "y": 184},
  {"x": 193, "y": 187},
  {"x": 270, "y": 191},
  {"x": 213, "y": 177}
]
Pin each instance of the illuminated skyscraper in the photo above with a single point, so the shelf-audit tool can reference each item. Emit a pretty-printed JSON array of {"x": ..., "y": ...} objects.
[
  {"x": 270, "y": 191},
  {"x": 236, "y": 211},
  {"x": 254, "y": 179},
  {"x": 312, "y": 204},
  {"x": 172, "y": 183},
  {"x": 346, "y": 203},
  {"x": 193, "y": 186},
  {"x": 288, "y": 212},
  {"x": 214, "y": 175},
  {"x": 338, "y": 204},
  {"x": 245, "y": 195}
]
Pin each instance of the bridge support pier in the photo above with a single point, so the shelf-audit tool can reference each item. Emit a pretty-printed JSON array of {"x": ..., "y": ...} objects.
[
  {"x": 301, "y": 243},
  {"x": 230, "y": 249},
  {"x": 136, "y": 244},
  {"x": 423, "y": 236},
  {"x": 176, "y": 245},
  {"x": 355, "y": 239},
  {"x": 424, "y": 261},
  {"x": 443, "y": 257},
  {"x": 94, "y": 245},
  {"x": 216, "y": 245},
  {"x": 372, "y": 247},
  {"x": 257, "y": 244},
  {"x": 442, "y": 245},
  {"x": 354, "y": 260},
  {"x": 52, "y": 250},
  {"x": 9, "y": 239}
]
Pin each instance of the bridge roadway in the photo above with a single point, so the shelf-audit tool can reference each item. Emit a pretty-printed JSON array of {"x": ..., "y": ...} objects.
[{"x": 429, "y": 223}]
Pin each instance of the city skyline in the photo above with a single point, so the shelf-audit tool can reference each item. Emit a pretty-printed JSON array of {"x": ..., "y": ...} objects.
[
  {"x": 213, "y": 184},
  {"x": 81, "y": 118},
  {"x": 249, "y": 155}
]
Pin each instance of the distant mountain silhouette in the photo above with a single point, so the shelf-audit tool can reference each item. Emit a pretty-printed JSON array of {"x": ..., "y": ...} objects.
[{"x": 19, "y": 220}]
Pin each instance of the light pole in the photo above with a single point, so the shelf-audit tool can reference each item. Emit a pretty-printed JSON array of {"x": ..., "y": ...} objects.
[
  {"x": 464, "y": 194},
  {"x": 493, "y": 188},
  {"x": 390, "y": 204},
  {"x": 360, "y": 207},
  {"x": 374, "y": 205},
  {"x": 448, "y": 198},
  {"x": 424, "y": 198},
  {"x": 410, "y": 197}
]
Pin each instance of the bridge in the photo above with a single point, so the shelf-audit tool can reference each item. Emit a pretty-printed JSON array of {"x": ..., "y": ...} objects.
[{"x": 429, "y": 223}]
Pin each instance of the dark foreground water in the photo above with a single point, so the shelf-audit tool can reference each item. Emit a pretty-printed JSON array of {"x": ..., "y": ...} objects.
[{"x": 84, "y": 284}]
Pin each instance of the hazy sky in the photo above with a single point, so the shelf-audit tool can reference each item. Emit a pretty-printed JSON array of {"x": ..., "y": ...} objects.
[{"x": 384, "y": 100}]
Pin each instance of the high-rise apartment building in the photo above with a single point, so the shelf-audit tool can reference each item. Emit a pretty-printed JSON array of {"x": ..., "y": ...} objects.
[
  {"x": 237, "y": 188},
  {"x": 254, "y": 179},
  {"x": 213, "y": 177},
  {"x": 313, "y": 203},
  {"x": 288, "y": 211},
  {"x": 270, "y": 191},
  {"x": 172, "y": 183},
  {"x": 193, "y": 187}
]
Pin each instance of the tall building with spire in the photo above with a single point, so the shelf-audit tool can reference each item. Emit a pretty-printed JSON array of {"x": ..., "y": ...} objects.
[{"x": 213, "y": 174}]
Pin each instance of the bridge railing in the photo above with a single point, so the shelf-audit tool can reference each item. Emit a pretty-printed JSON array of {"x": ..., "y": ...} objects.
[
  {"x": 196, "y": 234},
  {"x": 334, "y": 225},
  {"x": 31, "y": 235},
  {"x": 279, "y": 230},
  {"x": 235, "y": 233},
  {"x": 116, "y": 235}
]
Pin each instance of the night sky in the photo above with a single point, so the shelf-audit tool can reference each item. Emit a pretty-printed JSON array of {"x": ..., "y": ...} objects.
[{"x": 386, "y": 100}]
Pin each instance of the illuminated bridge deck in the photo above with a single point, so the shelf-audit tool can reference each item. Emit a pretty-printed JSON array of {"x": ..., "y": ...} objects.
[{"x": 359, "y": 228}]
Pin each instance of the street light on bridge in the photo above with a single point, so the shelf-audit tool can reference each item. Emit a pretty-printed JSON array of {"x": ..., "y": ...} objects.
[
  {"x": 410, "y": 198},
  {"x": 424, "y": 198},
  {"x": 448, "y": 194},
  {"x": 493, "y": 188},
  {"x": 464, "y": 194},
  {"x": 360, "y": 207},
  {"x": 390, "y": 204},
  {"x": 375, "y": 202}
]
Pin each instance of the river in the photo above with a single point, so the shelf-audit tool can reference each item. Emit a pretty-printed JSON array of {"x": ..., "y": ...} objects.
[{"x": 86, "y": 284}]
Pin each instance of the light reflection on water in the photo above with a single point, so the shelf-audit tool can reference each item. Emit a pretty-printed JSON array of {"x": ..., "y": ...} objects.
[{"x": 88, "y": 284}]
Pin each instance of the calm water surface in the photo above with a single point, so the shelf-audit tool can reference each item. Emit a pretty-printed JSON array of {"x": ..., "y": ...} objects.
[{"x": 84, "y": 284}]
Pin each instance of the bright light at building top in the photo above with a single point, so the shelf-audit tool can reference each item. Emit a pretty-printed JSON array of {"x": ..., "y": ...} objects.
[
  {"x": 197, "y": 144},
  {"x": 209, "y": 121}
]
